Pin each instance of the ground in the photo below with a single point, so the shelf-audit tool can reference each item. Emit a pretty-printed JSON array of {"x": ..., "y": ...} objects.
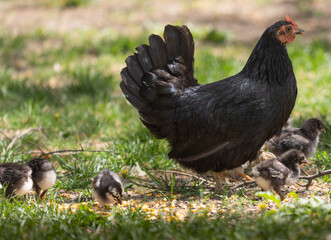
[
  {"x": 122, "y": 17},
  {"x": 59, "y": 77}
]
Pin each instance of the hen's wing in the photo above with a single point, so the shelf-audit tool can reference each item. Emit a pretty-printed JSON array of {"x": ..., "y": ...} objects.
[{"x": 233, "y": 103}]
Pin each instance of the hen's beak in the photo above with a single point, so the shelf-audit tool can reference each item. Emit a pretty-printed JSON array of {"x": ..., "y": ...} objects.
[{"x": 300, "y": 31}]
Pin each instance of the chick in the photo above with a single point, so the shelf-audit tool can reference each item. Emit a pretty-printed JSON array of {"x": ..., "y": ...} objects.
[
  {"x": 274, "y": 173},
  {"x": 108, "y": 187},
  {"x": 43, "y": 175},
  {"x": 17, "y": 177},
  {"x": 304, "y": 139}
]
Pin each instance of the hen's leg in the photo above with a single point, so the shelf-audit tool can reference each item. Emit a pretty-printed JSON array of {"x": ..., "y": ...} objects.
[
  {"x": 219, "y": 179},
  {"x": 246, "y": 176}
]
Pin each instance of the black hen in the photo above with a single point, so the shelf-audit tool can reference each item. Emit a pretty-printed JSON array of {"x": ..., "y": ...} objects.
[
  {"x": 305, "y": 138},
  {"x": 217, "y": 126}
]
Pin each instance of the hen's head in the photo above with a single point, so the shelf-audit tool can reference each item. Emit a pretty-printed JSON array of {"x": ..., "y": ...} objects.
[{"x": 287, "y": 30}]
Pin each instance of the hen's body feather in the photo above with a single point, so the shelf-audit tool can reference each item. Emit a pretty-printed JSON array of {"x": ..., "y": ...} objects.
[{"x": 216, "y": 126}]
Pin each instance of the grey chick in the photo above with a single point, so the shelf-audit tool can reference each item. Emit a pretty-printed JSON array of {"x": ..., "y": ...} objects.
[
  {"x": 43, "y": 175},
  {"x": 274, "y": 173},
  {"x": 108, "y": 187},
  {"x": 17, "y": 177},
  {"x": 305, "y": 138}
]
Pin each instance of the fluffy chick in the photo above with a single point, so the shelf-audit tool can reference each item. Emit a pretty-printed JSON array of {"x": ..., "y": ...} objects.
[
  {"x": 274, "y": 173},
  {"x": 305, "y": 138},
  {"x": 17, "y": 177},
  {"x": 108, "y": 187},
  {"x": 43, "y": 175}
]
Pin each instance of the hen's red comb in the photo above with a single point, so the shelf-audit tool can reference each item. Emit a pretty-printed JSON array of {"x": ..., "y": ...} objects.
[{"x": 289, "y": 19}]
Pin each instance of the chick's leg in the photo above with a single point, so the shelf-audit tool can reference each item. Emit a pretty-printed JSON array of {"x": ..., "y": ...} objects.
[
  {"x": 219, "y": 180},
  {"x": 279, "y": 192},
  {"x": 42, "y": 196},
  {"x": 38, "y": 191}
]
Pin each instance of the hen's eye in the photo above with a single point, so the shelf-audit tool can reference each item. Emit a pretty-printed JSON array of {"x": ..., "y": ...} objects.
[
  {"x": 288, "y": 29},
  {"x": 281, "y": 33}
]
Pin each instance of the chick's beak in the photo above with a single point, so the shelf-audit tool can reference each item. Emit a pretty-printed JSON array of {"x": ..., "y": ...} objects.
[
  {"x": 305, "y": 161},
  {"x": 323, "y": 130},
  {"x": 300, "y": 31}
]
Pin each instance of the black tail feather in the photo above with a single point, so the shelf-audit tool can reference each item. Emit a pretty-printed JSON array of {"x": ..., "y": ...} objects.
[
  {"x": 172, "y": 40},
  {"x": 156, "y": 75},
  {"x": 131, "y": 90},
  {"x": 187, "y": 50},
  {"x": 135, "y": 70},
  {"x": 144, "y": 58},
  {"x": 158, "y": 51}
]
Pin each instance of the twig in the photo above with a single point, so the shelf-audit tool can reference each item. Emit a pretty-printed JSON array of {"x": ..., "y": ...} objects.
[
  {"x": 311, "y": 177},
  {"x": 304, "y": 172},
  {"x": 39, "y": 148},
  {"x": 26, "y": 131},
  {"x": 5, "y": 135},
  {"x": 81, "y": 147},
  {"x": 184, "y": 174},
  {"x": 243, "y": 184},
  {"x": 141, "y": 185},
  {"x": 65, "y": 152}
]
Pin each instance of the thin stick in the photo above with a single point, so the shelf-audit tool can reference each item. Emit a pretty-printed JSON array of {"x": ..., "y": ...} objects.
[
  {"x": 141, "y": 185},
  {"x": 39, "y": 148},
  {"x": 5, "y": 135},
  {"x": 64, "y": 152},
  {"x": 184, "y": 174},
  {"x": 26, "y": 131},
  {"x": 311, "y": 177}
]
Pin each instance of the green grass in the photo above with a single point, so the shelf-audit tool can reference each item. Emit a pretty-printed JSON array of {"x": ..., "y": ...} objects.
[
  {"x": 302, "y": 220},
  {"x": 69, "y": 85}
]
